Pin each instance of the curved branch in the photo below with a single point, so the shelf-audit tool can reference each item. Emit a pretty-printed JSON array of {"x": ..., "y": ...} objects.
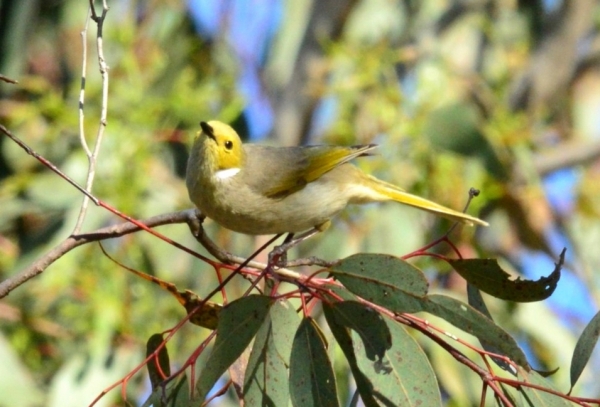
[
  {"x": 192, "y": 217},
  {"x": 73, "y": 241}
]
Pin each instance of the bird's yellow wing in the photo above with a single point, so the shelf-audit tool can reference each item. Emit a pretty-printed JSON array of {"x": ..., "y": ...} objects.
[{"x": 296, "y": 167}]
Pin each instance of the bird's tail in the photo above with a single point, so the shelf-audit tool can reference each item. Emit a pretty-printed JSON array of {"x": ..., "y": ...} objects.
[{"x": 394, "y": 193}]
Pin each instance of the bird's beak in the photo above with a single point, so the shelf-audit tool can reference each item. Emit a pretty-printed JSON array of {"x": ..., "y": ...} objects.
[{"x": 208, "y": 130}]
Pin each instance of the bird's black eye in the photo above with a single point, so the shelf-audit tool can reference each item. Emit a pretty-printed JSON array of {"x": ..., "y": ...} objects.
[{"x": 229, "y": 144}]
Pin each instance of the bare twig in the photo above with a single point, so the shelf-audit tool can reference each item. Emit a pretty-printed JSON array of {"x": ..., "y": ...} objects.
[
  {"x": 7, "y": 79},
  {"x": 82, "y": 139},
  {"x": 47, "y": 163},
  {"x": 93, "y": 156}
]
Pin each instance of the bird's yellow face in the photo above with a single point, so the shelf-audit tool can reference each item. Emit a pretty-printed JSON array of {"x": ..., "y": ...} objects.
[{"x": 222, "y": 148}]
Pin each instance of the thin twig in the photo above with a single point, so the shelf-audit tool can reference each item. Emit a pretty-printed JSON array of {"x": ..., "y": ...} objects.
[
  {"x": 47, "y": 163},
  {"x": 82, "y": 139},
  {"x": 103, "y": 67},
  {"x": 8, "y": 80}
]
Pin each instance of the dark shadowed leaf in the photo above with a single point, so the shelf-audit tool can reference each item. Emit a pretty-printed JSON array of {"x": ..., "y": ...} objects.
[
  {"x": 312, "y": 382},
  {"x": 384, "y": 280},
  {"x": 238, "y": 323},
  {"x": 158, "y": 367},
  {"x": 487, "y": 275},
  {"x": 475, "y": 323},
  {"x": 583, "y": 350},
  {"x": 266, "y": 380}
]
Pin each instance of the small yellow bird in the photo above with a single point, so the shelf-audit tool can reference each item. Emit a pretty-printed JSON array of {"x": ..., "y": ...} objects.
[{"x": 260, "y": 190}]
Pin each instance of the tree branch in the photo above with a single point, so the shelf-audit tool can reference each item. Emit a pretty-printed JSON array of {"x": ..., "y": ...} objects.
[
  {"x": 190, "y": 216},
  {"x": 566, "y": 154},
  {"x": 73, "y": 241}
]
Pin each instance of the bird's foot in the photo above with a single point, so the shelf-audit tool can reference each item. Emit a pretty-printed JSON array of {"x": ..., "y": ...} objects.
[{"x": 278, "y": 256}]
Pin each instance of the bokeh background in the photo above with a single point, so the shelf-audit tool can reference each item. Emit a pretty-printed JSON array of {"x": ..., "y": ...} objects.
[{"x": 496, "y": 94}]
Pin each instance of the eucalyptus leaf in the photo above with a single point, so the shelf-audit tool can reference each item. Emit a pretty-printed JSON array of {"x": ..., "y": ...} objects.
[
  {"x": 158, "y": 367},
  {"x": 266, "y": 381},
  {"x": 367, "y": 323},
  {"x": 583, "y": 350},
  {"x": 475, "y": 323},
  {"x": 238, "y": 323},
  {"x": 312, "y": 381},
  {"x": 405, "y": 376},
  {"x": 384, "y": 280},
  {"x": 476, "y": 301},
  {"x": 343, "y": 337},
  {"x": 533, "y": 397},
  {"x": 488, "y": 276},
  {"x": 175, "y": 394}
]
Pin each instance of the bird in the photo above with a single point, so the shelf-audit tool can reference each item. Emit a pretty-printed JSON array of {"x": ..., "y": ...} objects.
[{"x": 261, "y": 190}]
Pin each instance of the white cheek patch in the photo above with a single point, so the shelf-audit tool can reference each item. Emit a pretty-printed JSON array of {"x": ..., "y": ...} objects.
[{"x": 228, "y": 173}]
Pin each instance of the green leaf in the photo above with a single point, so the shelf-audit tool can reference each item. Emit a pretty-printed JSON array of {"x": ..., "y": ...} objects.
[
  {"x": 285, "y": 320},
  {"x": 175, "y": 394},
  {"x": 487, "y": 275},
  {"x": 475, "y": 323},
  {"x": 367, "y": 323},
  {"x": 405, "y": 376},
  {"x": 538, "y": 398},
  {"x": 476, "y": 301},
  {"x": 158, "y": 367},
  {"x": 384, "y": 280},
  {"x": 266, "y": 380},
  {"x": 238, "y": 323},
  {"x": 583, "y": 350},
  {"x": 312, "y": 382},
  {"x": 344, "y": 339}
]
